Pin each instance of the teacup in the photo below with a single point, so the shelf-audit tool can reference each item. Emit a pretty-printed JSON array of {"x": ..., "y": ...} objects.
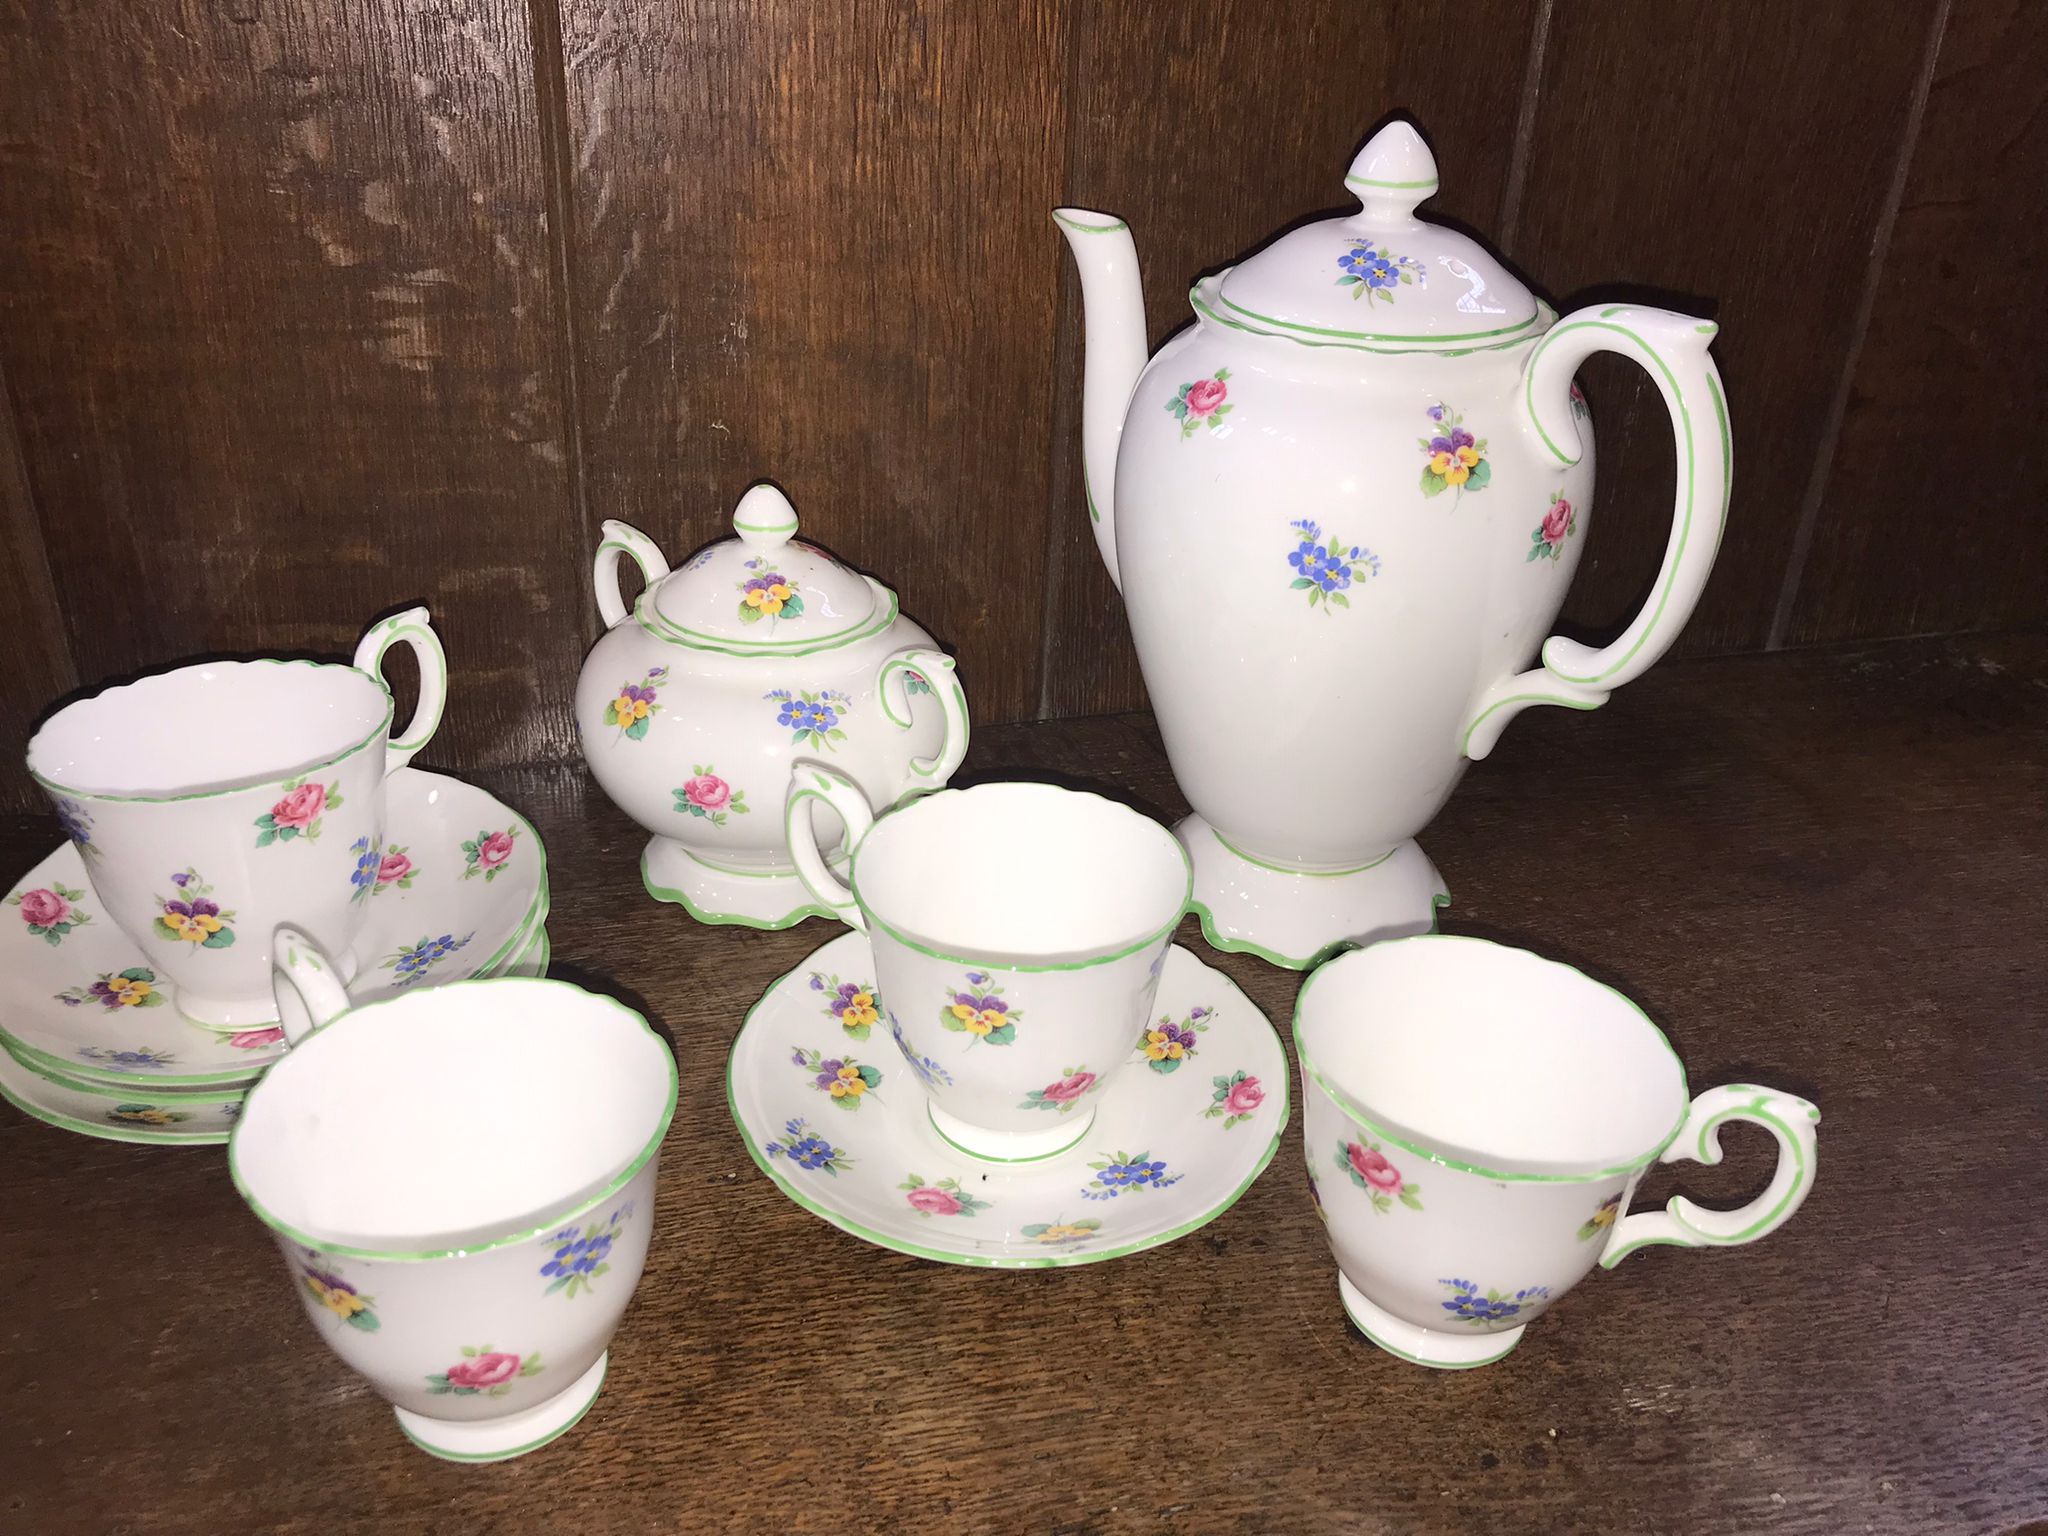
[
  {"x": 213, "y": 802},
  {"x": 1018, "y": 932},
  {"x": 461, "y": 1181},
  {"x": 1476, "y": 1119}
]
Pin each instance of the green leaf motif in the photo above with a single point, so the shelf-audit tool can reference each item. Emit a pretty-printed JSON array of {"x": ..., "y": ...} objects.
[
  {"x": 220, "y": 938},
  {"x": 1433, "y": 484}
]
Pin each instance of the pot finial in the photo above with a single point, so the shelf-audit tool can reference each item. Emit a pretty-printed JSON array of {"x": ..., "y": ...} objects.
[{"x": 1394, "y": 172}]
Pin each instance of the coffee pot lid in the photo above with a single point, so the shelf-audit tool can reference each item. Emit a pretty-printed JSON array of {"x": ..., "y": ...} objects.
[
  {"x": 1381, "y": 277},
  {"x": 764, "y": 590}
]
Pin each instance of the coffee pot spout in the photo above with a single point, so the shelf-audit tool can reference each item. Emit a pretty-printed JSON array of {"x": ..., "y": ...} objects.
[{"x": 1113, "y": 317}]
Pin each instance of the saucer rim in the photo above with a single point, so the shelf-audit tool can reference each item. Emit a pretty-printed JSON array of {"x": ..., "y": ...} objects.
[{"x": 1007, "y": 1261}]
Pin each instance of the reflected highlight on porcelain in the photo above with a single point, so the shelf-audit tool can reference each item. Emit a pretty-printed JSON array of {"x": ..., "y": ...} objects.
[
  {"x": 1476, "y": 1119},
  {"x": 1018, "y": 932}
]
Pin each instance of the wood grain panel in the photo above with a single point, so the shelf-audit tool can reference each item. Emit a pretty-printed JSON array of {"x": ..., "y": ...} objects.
[
  {"x": 807, "y": 248},
  {"x": 1920, "y": 532},
  {"x": 39, "y": 656},
  {"x": 1209, "y": 127},
  {"x": 276, "y": 318},
  {"x": 1730, "y": 157}
]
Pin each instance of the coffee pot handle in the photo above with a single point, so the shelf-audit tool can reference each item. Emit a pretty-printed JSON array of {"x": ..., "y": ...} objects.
[
  {"x": 935, "y": 670},
  {"x": 1672, "y": 349},
  {"x": 810, "y": 781},
  {"x": 410, "y": 628},
  {"x": 308, "y": 989},
  {"x": 623, "y": 539},
  {"x": 1786, "y": 1116}
]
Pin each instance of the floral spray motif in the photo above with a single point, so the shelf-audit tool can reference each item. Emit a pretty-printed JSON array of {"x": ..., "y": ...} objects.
[
  {"x": 804, "y": 1147},
  {"x": 484, "y": 1372},
  {"x": 51, "y": 911},
  {"x": 1325, "y": 568},
  {"x": 1063, "y": 1095},
  {"x": 298, "y": 813},
  {"x": 1453, "y": 459},
  {"x": 486, "y": 854},
  {"x": 1123, "y": 1172},
  {"x": 1602, "y": 1219},
  {"x": 980, "y": 1011},
  {"x": 842, "y": 1079},
  {"x": 944, "y": 1197},
  {"x": 340, "y": 1298},
  {"x": 1367, "y": 1167},
  {"x": 708, "y": 796},
  {"x": 362, "y": 879},
  {"x": 1202, "y": 403},
  {"x": 395, "y": 869},
  {"x": 193, "y": 916},
  {"x": 581, "y": 1259},
  {"x": 768, "y": 594},
  {"x": 1469, "y": 1305},
  {"x": 1167, "y": 1044},
  {"x": 635, "y": 707},
  {"x": 812, "y": 717},
  {"x": 1237, "y": 1097},
  {"x": 849, "y": 1004},
  {"x": 132, "y": 988},
  {"x": 1560, "y": 521},
  {"x": 1372, "y": 272}
]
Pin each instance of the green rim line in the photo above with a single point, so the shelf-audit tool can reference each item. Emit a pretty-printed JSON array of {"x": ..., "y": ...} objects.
[
  {"x": 1088, "y": 491},
  {"x": 1564, "y": 701},
  {"x": 1435, "y": 1365},
  {"x": 1686, "y": 475},
  {"x": 510, "y": 1240},
  {"x": 1088, "y": 229},
  {"x": 1321, "y": 330},
  {"x": 651, "y": 620},
  {"x": 65, "y": 1122},
  {"x": 479, "y": 1457},
  {"x": 997, "y": 1261},
  {"x": 1007, "y": 1162},
  {"x": 1419, "y": 344},
  {"x": 320, "y": 766},
  {"x": 788, "y": 527},
  {"x": 1343, "y": 1103},
  {"x": 1392, "y": 186},
  {"x": 1307, "y": 874},
  {"x": 729, "y": 919},
  {"x": 875, "y": 921}
]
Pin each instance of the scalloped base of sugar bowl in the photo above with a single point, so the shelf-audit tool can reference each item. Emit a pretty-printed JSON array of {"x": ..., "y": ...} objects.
[{"x": 716, "y": 893}]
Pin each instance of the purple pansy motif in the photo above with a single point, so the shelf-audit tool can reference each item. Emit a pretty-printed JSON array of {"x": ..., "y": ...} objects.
[{"x": 981, "y": 1011}]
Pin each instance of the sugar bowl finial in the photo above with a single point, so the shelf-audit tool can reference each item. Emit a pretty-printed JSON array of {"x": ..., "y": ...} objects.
[{"x": 764, "y": 519}]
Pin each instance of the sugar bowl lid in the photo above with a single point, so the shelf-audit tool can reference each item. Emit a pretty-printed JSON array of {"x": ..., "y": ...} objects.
[
  {"x": 1381, "y": 277},
  {"x": 764, "y": 591}
]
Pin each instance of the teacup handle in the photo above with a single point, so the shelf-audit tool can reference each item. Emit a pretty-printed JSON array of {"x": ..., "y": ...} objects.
[
  {"x": 810, "y": 781},
  {"x": 412, "y": 628},
  {"x": 935, "y": 668},
  {"x": 1786, "y": 1116},
  {"x": 308, "y": 989}
]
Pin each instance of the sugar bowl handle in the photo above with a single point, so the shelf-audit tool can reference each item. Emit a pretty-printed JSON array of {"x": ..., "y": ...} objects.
[
  {"x": 1786, "y": 1116},
  {"x": 308, "y": 989},
  {"x": 623, "y": 539},
  {"x": 1672, "y": 349},
  {"x": 412, "y": 628},
  {"x": 926, "y": 671},
  {"x": 809, "y": 781}
]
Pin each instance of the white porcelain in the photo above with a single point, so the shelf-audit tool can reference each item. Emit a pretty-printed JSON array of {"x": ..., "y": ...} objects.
[
  {"x": 213, "y": 802},
  {"x": 1018, "y": 931},
  {"x": 461, "y": 1181},
  {"x": 1343, "y": 511},
  {"x": 761, "y": 649},
  {"x": 836, "y": 1118},
  {"x": 1476, "y": 1120},
  {"x": 77, "y": 998}
]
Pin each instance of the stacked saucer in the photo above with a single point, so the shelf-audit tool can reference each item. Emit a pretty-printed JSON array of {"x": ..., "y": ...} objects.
[{"x": 93, "y": 1044}]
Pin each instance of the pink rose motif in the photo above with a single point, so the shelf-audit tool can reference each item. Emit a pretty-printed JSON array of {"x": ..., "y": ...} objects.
[
  {"x": 255, "y": 1039},
  {"x": 494, "y": 850},
  {"x": 709, "y": 791},
  {"x": 1204, "y": 395},
  {"x": 396, "y": 866},
  {"x": 483, "y": 1371},
  {"x": 933, "y": 1202},
  {"x": 300, "y": 807},
  {"x": 1068, "y": 1089},
  {"x": 1374, "y": 1169},
  {"x": 44, "y": 908},
  {"x": 1247, "y": 1096},
  {"x": 1557, "y": 522}
]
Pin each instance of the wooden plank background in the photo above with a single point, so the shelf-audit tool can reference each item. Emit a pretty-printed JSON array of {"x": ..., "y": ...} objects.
[{"x": 311, "y": 311}]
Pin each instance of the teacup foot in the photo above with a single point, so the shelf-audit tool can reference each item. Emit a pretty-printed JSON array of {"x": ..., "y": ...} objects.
[
  {"x": 1008, "y": 1146},
  {"x": 513, "y": 1435},
  {"x": 715, "y": 893},
  {"x": 1423, "y": 1346},
  {"x": 1298, "y": 920}
]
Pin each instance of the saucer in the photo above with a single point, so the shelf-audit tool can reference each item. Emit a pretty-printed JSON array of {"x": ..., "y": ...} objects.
[
  {"x": 1300, "y": 918},
  {"x": 1169, "y": 1151},
  {"x": 78, "y": 1000}
]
